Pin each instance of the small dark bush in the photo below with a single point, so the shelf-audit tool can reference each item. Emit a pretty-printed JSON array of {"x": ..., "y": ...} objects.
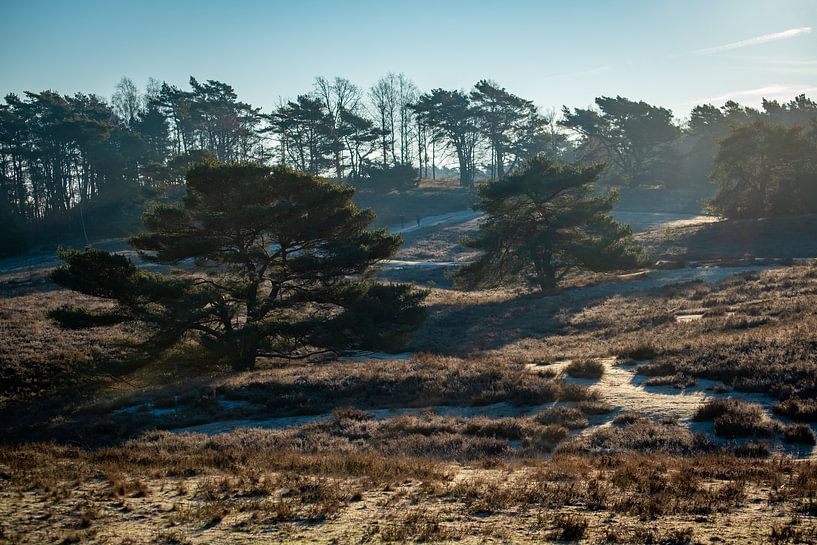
[
  {"x": 384, "y": 179},
  {"x": 547, "y": 439},
  {"x": 743, "y": 424},
  {"x": 351, "y": 413},
  {"x": 804, "y": 410},
  {"x": 640, "y": 352},
  {"x": 712, "y": 409},
  {"x": 13, "y": 239},
  {"x": 752, "y": 450},
  {"x": 627, "y": 418},
  {"x": 585, "y": 369},
  {"x": 569, "y": 527},
  {"x": 799, "y": 433},
  {"x": 735, "y": 419},
  {"x": 653, "y": 369},
  {"x": 569, "y": 417}
]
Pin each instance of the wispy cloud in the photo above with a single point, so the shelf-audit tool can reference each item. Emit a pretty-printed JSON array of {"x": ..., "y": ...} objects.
[
  {"x": 754, "y": 95},
  {"x": 757, "y": 40},
  {"x": 787, "y": 62}
]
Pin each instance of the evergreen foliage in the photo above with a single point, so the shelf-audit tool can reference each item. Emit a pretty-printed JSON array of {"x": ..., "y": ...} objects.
[
  {"x": 766, "y": 170},
  {"x": 632, "y": 137},
  {"x": 544, "y": 221},
  {"x": 284, "y": 260}
]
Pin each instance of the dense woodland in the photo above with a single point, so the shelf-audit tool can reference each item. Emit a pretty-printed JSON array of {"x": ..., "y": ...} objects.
[{"x": 83, "y": 166}]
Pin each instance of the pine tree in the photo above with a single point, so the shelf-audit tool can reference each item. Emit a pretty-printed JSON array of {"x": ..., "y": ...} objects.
[
  {"x": 284, "y": 265},
  {"x": 543, "y": 221}
]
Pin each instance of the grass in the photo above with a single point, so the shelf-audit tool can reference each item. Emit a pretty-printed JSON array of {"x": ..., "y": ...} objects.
[
  {"x": 638, "y": 433},
  {"x": 240, "y": 483},
  {"x": 515, "y": 474}
]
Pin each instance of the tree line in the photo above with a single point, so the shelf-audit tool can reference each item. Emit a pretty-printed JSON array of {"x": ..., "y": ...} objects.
[{"x": 81, "y": 162}]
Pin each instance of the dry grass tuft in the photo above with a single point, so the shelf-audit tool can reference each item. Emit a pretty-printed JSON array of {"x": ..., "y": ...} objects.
[{"x": 585, "y": 368}]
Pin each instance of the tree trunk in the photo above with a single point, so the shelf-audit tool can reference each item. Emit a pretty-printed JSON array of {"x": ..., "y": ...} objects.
[{"x": 245, "y": 354}]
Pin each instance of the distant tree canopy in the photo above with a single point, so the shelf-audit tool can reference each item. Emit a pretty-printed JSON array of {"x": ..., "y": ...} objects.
[
  {"x": 489, "y": 119},
  {"x": 78, "y": 166},
  {"x": 453, "y": 120},
  {"x": 283, "y": 257},
  {"x": 766, "y": 170},
  {"x": 542, "y": 222},
  {"x": 513, "y": 127},
  {"x": 633, "y": 137},
  {"x": 709, "y": 125},
  {"x": 62, "y": 158}
]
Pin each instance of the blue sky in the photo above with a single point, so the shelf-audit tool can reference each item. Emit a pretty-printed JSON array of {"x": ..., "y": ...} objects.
[{"x": 673, "y": 53}]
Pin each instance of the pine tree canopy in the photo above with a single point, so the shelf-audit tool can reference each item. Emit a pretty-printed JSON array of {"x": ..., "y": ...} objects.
[
  {"x": 544, "y": 221},
  {"x": 283, "y": 266}
]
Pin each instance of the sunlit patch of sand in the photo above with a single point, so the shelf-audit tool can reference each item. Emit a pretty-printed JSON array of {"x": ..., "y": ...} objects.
[{"x": 684, "y": 318}]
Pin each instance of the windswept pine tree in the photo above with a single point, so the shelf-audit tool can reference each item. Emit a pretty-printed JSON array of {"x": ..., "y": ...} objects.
[
  {"x": 544, "y": 221},
  {"x": 284, "y": 265}
]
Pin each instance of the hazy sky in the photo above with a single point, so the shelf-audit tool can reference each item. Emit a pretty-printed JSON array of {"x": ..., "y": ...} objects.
[{"x": 674, "y": 53}]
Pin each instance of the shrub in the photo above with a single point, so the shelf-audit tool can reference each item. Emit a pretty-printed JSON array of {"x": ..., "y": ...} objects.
[
  {"x": 13, "y": 238},
  {"x": 795, "y": 408},
  {"x": 627, "y": 418},
  {"x": 799, "y": 433},
  {"x": 547, "y": 438},
  {"x": 569, "y": 527},
  {"x": 752, "y": 450},
  {"x": 351, "y": 413},
  {"x": 569, "y": 417},
  {"x": 736, "y": 419},
  {"x": 656, "y": 369},
  {"x": 742, "y": 424},
  {"x": 712, "y": 409},
  {"x": 642, "y": 351},
  {"x": 593, "y": 408},
  {"x": 585, "y": 369},
  {"x": 400, "y": 177}
]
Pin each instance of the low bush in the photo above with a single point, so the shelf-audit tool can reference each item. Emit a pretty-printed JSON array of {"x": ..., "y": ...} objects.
[
  {"x": 656, "y": 369},
  {"x": 400, "y": 177},
  {"x": 593, "y": 408},
  {"x": 804, "y": 410},
  {"x": 569, "y": 417},
  {"x": 569, "y": 527},
  {"x": 712, "y": 409},
  {"x": 547, "y": 439},
  {"x": 593, "y": 369},
  {"x": 799, "y": 433},
  {"x": 641, "y": 351},
  {"x": 735, "y": 419}
]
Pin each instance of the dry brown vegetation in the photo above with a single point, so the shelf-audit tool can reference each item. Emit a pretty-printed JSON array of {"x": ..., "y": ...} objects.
[
  {"x": 523, "y": 454},
  {"x": 197, "y": 489},
  {"x": 37, "y": 357}
]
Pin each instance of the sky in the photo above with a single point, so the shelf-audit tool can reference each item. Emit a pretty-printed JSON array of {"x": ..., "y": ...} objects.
[{"x": 672, "y": 53}]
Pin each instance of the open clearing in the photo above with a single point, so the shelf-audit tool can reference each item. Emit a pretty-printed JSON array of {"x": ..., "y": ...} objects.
[{"x": 516, "y": 416}]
